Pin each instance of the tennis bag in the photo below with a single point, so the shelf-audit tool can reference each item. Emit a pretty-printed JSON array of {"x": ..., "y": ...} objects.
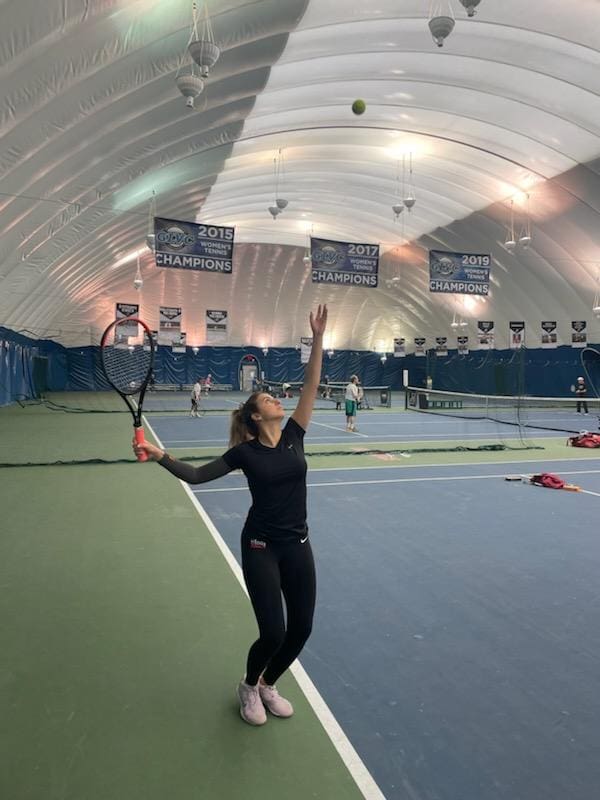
[
  {"x": 585, "y": 440},
  {"x": 548, "y": 480}
]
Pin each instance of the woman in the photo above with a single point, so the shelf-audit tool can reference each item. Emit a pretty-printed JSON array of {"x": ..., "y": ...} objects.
[{"x": 276, "y": 553}]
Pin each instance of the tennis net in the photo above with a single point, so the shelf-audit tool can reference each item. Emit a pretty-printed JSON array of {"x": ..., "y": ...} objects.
[{"x": 542, "y": 413}]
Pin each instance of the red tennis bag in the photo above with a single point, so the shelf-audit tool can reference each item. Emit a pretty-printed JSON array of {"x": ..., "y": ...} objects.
[
  {"x": 547, "y": 479},
  {"x": 585, "y": 440}
]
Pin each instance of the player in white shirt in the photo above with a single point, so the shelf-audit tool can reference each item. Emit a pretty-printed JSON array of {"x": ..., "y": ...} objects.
[
  {"x": 195, "y": 397},
  {"x": 352, "y": 395}
]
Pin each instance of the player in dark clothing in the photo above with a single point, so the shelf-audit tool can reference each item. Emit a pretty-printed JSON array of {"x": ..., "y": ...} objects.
[
  {"x": 276, "y": 553},
  {"x": 581, "y": 394}
]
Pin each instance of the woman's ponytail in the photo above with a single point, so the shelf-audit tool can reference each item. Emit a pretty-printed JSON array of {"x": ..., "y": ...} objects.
[{"x": 242, "y": 427}]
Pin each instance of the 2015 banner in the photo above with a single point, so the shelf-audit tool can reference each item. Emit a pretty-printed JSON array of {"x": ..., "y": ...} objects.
[
  {"x": 459, "y": 273},
  {"x": 191, "y": 245},
  {"x": 344, "y": 263},
  {"x": 216, "y": 326}
]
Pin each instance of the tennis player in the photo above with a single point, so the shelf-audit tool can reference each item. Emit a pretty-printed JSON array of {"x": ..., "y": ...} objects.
[
  {"x": 352, "y": 395},
  {"x": 276, "y": 553},
  {"x": 195, "y": 398},
  {"x": 581, "y": 395}
]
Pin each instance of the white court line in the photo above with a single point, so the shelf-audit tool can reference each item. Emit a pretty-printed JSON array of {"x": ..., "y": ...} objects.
[
  {"x": 339, "y": 430},
  {"x": 353, "y": 762},
  {"x": 379, "y": 481},
  {"x": 587, "y": 491}
]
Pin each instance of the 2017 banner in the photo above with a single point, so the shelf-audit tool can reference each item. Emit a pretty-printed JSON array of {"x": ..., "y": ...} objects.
[
  {"x": 216, "y": 326},
  {"x": 459, "y": 273},
  {"x": 344, "y": 263},
  {"x": 191, "y": 245}
]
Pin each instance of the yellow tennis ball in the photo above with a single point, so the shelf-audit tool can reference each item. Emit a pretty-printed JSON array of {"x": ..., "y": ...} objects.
[{"x": 359, "y": 107}]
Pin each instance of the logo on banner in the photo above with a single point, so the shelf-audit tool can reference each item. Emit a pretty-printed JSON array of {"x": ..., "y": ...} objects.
[
  {"x": 344, "y": 263},
  {"x": 305, "y": 349},
  {"x": 517, "y": 335},
  {"x": 420, "y": 346},
  {"x": 191, "y": 245},
  {"x": 462, "y": 345},
  {"x": 578, "y": 333},
  {"x": 459, "y": 273},
  {"x": 485, "y": 334},
  {"x": 549, "y": 335},
  {"x": 441, "y": 345},
  {"x": 399, "y": 348}
]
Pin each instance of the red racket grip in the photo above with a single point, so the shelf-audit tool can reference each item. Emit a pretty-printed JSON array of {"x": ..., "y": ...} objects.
[{"x": 140, "y": 439}]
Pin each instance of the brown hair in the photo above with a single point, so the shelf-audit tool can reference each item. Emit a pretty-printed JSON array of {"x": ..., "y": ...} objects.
[{"x": 243, "y": 427}]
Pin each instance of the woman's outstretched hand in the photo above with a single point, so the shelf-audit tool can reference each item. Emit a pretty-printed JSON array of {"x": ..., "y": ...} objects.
[{"x": 318, "y": 321}]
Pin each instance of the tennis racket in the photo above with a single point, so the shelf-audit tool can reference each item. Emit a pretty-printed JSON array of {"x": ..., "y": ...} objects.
[
  {"x": 572, "y": 387},
  {"x": 128, "y": 367}
]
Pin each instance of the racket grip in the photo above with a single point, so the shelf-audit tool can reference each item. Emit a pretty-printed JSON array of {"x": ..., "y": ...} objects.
[{"x": 140, "y": 439}]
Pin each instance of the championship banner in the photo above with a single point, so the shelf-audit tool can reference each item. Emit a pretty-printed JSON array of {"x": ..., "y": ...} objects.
[
  {"x": 305, "y": 349},
  {"x": 147, "y": 340},
  {"x": 462, "y": 343},
  {"x": 485, "y": 334},
  {"x": 578, "y": 333},
  {"x": 459, "y": 273},
  {"x": 399, "y": 348},
  {"x": 178, "y": 343},
  {"x": 123, "y": 310},
  {"x": 190, "y": 245},
  {"x": 169, "y": 324},
  {"x": 420, "y": 346},
  {"x": 517, "y": 335},
  {"x": 344, "y": 263},
  {"x": 549, "y": 335},
  {"x": 216, "y": 326},
  {"x": 441, "y": 345}
]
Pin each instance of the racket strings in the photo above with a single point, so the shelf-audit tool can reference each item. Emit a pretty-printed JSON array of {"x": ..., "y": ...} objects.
[{"x": 126, "y": 368}]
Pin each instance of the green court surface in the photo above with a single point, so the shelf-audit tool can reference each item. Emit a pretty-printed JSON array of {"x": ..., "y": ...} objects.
[{"x": 124, "y": 637}]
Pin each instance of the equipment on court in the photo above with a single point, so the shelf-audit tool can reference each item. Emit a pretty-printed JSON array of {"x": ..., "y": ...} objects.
[
  {"x": 547, "y": 479},
  {"x": 359, "y": 107},
  {"x": 128, "y": 367},
  {"x": 585, "y": 439}
]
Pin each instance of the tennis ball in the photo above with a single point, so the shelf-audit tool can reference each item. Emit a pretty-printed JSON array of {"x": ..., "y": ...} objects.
[{"x": 359, "y": 107}]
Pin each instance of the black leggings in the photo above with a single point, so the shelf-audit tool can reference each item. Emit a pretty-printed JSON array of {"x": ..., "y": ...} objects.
[{"x": 284, "y": 568}]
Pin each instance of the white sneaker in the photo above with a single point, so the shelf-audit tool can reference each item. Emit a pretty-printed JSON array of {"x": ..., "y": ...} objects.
[
  {"x": 252, "y": 710},
  {"x": 277, "y": 705}
]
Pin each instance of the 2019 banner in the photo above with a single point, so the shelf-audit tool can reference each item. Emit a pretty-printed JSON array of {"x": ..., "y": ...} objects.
[{"x": 459, "y": 273}]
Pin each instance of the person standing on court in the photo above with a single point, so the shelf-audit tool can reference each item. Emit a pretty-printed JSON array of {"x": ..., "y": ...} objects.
[
  {"x": 276, "y": 553},
  {"x": 352, "y": 395},
  {"x": 581, "y": 394},
  {"x": 195, "y": 397}
]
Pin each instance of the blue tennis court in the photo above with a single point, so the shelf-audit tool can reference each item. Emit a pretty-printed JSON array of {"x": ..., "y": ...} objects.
[{"x": 456, "y": 638}]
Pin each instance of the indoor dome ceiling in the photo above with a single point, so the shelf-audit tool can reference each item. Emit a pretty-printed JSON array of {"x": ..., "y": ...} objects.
[{"x": 93, "y": 124}]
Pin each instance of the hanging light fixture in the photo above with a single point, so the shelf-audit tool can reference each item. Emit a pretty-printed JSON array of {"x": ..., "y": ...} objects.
[
  {"x": 409, "y": 195},
  {"x": 278, "y": 170},
  {"x": 470, "y": 6},
  {"x": 195, "y": 350},
  {"x": 454, "y": 323},
  {"x": 397, "y": 206},
  {"x": 202, "y": 46},
  {"x": 138, "y": 281},
  {"x": 331, "y": 353},
  {"x": 150, "y": 237},
  {"x": 441, "y": 21},
  {"x": 596, "y": 303},
  {"x": 383, "y": 358},
  {"x": 510, "y": 242},
  {"x": 307, "y": 258},
  {"x": 525, "y": 237}
]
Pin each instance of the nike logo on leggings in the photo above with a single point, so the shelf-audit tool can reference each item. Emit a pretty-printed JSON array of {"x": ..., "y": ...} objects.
[{"x": 304, "y": 540}]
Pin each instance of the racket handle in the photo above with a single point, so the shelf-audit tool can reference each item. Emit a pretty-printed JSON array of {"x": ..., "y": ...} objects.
[{"x": 140, "y": 439}]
